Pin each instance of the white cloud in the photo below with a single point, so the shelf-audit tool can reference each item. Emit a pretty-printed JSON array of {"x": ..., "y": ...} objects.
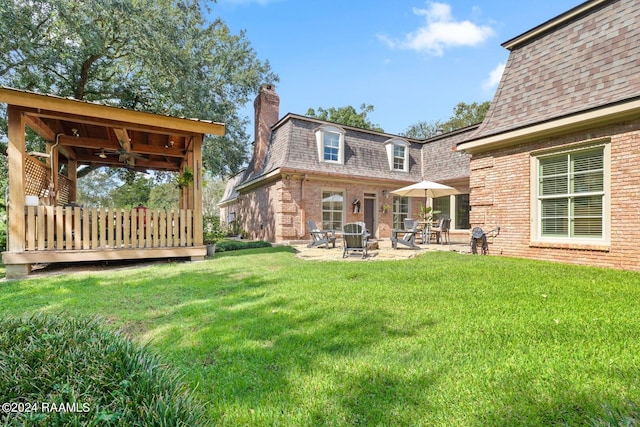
[
  {"x": 494, "y": 77},
  {"x": 440, "y": 31}
]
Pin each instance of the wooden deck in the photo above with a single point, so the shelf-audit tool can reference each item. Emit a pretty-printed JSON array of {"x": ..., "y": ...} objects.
[{"x": 63, "y": 234}]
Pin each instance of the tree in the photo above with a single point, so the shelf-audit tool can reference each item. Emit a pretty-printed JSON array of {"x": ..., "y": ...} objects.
[
  {"x": 347, "y": 116},
  {"x": 463, "y": 115},
  {"x": 423, "y": 130},
  {"x": 159, "y": 56},
  {"x": 212, "y": 193},
  {"x": 164, "y": 196},
  {"x": 133, "y": 194},
  {"x": 94, "y": 188},
  {"x": 466, "y": 115}
]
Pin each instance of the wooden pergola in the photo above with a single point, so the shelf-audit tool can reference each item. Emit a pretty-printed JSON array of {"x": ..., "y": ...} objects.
[{"x": 44, "y": 223}]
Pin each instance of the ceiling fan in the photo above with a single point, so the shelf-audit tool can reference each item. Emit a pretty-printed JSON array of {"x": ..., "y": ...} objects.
[{"x": 124, "y": 156}]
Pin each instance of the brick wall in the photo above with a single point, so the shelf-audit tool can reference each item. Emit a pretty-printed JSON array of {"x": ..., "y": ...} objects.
[
  {"x": 500, "y": 195},
  {"x": 258, "y": 212},
  {"x": 279, "y": 211}
]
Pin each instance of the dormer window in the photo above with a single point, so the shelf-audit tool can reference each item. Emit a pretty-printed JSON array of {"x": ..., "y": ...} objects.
[
  {"x": 398, "y": 154},
  {"x": 330, "y": 141},
  {"x": 331, "y": 146}
]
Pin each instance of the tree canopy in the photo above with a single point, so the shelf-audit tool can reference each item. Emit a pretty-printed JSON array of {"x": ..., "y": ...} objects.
[
  {"x": 466, "y": 115},
  {"x": 463, "y": 115},
  {"x": 161, "y": 56},
  {"x": 347, "y": 116}
]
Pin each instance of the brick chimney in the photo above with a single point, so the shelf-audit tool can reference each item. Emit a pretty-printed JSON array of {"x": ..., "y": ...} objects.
[{"x": 267, "y": 110}]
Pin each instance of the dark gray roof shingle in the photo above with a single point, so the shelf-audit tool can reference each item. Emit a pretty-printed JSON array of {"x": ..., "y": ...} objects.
[
  {"x": 588, "y": 62},
  {"x": 293, "y": 146}
]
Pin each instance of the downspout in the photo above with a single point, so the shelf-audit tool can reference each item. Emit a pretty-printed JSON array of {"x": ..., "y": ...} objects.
[
  {"x": 303, "y": 208},
  {"x": 422, "y": 163},
  {"x": 52, "y": 189}
]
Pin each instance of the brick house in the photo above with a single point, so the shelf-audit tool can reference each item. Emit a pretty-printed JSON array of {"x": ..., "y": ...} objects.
[
  {"x": 555, "y": 162},
  {"x": 307, "y": 169}
]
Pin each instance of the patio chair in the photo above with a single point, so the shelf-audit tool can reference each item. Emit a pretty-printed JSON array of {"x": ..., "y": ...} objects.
[
  {"x": 321, "y": 237},
  {"x": 354, "y": 239},
  {"x": 407, "y": 236},
  {"x": 441, "y": 232}
]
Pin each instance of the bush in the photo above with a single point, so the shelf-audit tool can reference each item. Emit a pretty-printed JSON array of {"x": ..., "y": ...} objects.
[
  {"x": 213, "y": 230},
  {"x": 3, "y": 230},
  {"x": 98, "y": 377},
  {"x": 234, "y": 245}
]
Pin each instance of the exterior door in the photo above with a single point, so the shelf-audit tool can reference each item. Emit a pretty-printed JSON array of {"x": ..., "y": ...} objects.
[{"x": 370, "y": 215}]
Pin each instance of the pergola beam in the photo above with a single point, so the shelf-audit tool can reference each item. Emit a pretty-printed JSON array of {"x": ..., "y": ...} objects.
[
  {"x": 147, "y": 164},
  {"x": 38, "y": 126},
  {"x": 97, "y": 144},
  {"x": 82, "y": 120},
  {"x": 87, "y": 109},
  {"x": 123, "y": 138}
]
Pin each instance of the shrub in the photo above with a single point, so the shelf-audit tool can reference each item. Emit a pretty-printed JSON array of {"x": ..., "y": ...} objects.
[
  {"x": 97, "y": 376},
  {"x": 213, "y": 230},
  {"x": 3, "y": 230},
  {"x": 234, "y": 245}
]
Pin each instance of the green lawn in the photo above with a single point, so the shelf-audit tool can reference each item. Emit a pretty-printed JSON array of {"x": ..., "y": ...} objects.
[{"x": 441, "y": 339}]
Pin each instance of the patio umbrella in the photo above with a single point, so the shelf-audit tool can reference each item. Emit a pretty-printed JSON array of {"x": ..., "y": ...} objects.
[{"x": 426, "y": 189}]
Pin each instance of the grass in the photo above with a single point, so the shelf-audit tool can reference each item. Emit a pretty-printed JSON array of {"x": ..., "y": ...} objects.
[
  {"x": 99, "y": 377},
  {"x": 441, "y": 339}
]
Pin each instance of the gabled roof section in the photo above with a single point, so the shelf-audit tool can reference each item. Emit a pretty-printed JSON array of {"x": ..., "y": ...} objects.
[
  {"x": 230, "y": 192},
  {"x": 582, "y": 60}
]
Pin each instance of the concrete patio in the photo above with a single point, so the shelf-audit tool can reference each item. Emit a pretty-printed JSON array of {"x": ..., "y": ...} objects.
[{"x": 383, "y": 252}]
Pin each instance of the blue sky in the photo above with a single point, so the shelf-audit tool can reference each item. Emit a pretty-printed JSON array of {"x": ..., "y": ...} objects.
[{"x": 412, "y": 60}]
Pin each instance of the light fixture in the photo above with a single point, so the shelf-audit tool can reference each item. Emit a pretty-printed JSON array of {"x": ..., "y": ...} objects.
[
  {"x": 102, "y": 154},
  {"x": 385, "y": 193}
]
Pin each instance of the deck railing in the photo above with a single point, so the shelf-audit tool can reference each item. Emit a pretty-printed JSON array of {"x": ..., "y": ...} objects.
[{"x": 50, "y": 228}]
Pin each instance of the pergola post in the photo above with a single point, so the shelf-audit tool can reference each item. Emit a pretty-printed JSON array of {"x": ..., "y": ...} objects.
[
  {"x": 15, "y": 154},
  {"x": 197, "y": 189},
  {"x": 72, "y": 174}
]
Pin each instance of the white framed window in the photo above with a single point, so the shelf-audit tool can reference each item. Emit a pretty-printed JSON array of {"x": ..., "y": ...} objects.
[
  {"x": 332, "y": 209},
  {"x": 454, "y": 207},
  {"x": 400, "y": 211},
  {"x": 398, "y": 154},
  {"x": 572, "y": 195},
  {"x": 330, "y": 144}
]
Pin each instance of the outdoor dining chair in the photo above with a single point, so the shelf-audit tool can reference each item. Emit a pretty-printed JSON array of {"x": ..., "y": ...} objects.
[{"x": 441, "y": 232}]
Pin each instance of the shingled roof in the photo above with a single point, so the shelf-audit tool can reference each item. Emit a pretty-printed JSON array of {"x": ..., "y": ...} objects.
[
  {"x": 584, "y": 59},
  {"x": 293, "y": 146}
]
